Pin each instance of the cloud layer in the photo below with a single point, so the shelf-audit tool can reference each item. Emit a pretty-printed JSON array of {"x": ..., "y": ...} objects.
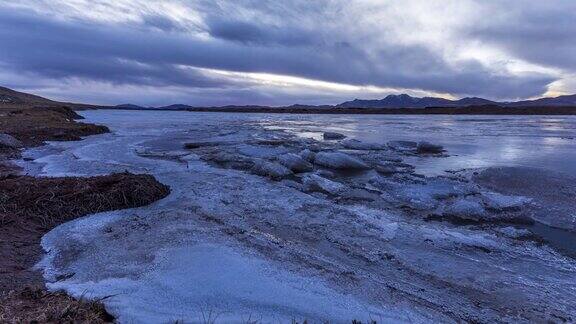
[{"x": 270, "y": 52}]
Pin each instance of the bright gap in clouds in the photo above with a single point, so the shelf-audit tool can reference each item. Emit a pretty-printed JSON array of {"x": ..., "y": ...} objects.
[{"x": 275, "y": 80}]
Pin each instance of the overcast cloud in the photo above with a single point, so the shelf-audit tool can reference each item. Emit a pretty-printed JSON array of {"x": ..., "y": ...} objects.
[{"x": 283, "y": 52}]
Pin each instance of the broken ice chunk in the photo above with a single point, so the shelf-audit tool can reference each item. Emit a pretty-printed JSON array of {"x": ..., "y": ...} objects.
[
  {"x": 466, "y": 209},
  {"x": 501, "y": 202},
  {"x": 338, "y": 160},
  {"x": 429, "y": 148},
  {"x": 295, "y": 163},
  {"x": 358, "y": 145},
  {"x": 308, "y": 155},
  {"x": 313, "y": 182},
  {"x": 271, "y": 170},
  {"x": 333, "y": 136}
]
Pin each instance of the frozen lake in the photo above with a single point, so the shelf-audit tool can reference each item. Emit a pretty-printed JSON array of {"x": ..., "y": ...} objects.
[
  {"x": 243, "y": 238},
  {"x": 472, "y": 141}
]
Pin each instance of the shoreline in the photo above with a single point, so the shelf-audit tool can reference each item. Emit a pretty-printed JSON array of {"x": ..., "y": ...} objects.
[
  {"x": 470, "y": 110},
  {"x": 32, "y": 206}
]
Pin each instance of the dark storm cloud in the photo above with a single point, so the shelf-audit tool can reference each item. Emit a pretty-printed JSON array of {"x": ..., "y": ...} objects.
[
  {"x": 162, "y": 23},
  {"x": 249, "y": 32},
  {"x": 541, "y": 32},
  {"x": 122, "y": 53},
  {"x": 62, "y": 49}
]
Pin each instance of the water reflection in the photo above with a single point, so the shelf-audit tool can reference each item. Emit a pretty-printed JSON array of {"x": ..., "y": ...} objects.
[{"x": 475, "y": 141}]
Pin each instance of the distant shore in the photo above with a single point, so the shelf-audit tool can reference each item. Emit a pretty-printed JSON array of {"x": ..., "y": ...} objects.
[{"x": 470, "y": 110}]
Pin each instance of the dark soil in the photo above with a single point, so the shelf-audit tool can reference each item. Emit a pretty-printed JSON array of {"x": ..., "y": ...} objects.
[{"x": 33, "y": 126}]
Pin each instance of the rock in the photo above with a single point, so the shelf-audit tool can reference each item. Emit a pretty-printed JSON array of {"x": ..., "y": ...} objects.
[
  {"x": 333, "y": 136},
  {"x": 271, "y": 170},
  {"x": 338, "y": 160},
  {"x": 316, "y": 183},
  {"x": 308, "y": 155},
  {"x": 10, "y": 142},
  {"x": 429, "y": 148},
  {"x": 353, "y": 144},
  {"x": 295, "y": 163}
]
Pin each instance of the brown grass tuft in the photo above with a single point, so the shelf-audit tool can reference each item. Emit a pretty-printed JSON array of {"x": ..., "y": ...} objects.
[
  {"x": 31, "y": 305},
  {"x": 30, "y": 207},
  {"x": 43, "y": 203}
]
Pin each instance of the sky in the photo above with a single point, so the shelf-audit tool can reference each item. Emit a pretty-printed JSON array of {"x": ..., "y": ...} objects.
[{"x": 264, "y": 52}]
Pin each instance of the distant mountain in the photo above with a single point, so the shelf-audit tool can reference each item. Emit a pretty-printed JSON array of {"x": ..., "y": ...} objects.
[
  {"x": 473, "y": 101},
  {"x": 558, "y": 101},
  {"x": 176, "y": 107},
  {"x": 130, "y": 106},
  {"x": 390, "y": 102},
  {"x": 406, "y": 101}
]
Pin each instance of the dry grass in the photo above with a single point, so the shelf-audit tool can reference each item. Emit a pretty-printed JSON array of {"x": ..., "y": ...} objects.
[
  {"x": 30, "y": 207},
  {"x": 31, "y": 305},
  {"x": 45, "y": 202}
]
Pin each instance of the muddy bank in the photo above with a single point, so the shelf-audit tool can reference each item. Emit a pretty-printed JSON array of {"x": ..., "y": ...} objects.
[
  {"x": 33, "y": 126},
  {"x": 23, "y": 126}
]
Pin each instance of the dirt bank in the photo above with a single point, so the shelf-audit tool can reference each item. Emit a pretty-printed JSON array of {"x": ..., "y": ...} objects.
[
  {"x": 30, "y": 207},
  {"x": 33, "y": 126}
]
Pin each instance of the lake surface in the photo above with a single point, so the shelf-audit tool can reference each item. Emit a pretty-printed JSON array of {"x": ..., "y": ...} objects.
[
  {"x": 547, "y": 142},
  {"x": 231, "y": 241}
]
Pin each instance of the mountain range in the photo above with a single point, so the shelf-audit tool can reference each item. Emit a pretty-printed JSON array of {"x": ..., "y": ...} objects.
[
  {"x": 406, "y": 101},
  {"x": 401, "y": 101},
  {"x": 11, "y": 98}
]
